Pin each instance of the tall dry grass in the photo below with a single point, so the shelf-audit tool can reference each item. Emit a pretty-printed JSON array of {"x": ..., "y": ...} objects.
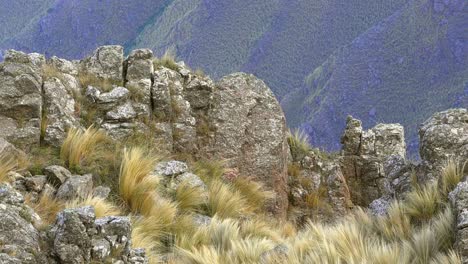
[{"x": 79, "y": 144}]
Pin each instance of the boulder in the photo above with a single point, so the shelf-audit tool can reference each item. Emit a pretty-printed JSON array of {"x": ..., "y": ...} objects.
[
  {"x": 113, "y": 235},
  {"x": 338, "y": 192},
  {"x": 101, "y": 191},
  {"x": 379, "y": 207},
  {"x": 35, "y": 183},
  {"x": 77, "y": 237},
  {"x": 443, "y": 136},
  {"x": 71, "y": 241},
  {"x": 8, "y": 150},
  {"x": 59, "y": 112},
  {"x": 364, "y": 155},
  {"x": 139, "y": 71},
  {"x": 105, "y": 63},
  {"x": 76, "y": 187},
  {"x": 459, "y": 200},
  {"x": 20, "y": 241},
  {"x": 20, "y": 98},
  {"x": 250, "y": 133},
  {"x": 170, "y": 168},
  {"x": 57, "y": 175}
]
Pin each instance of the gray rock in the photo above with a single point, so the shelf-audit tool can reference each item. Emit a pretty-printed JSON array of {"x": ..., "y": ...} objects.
[
  {"x": 199, "y": 92},
  {"x": 117, "y": 231},
  {"x": 8, "y": 150},
  {"x": 250, "y": 132},
  {"x": 380, "y": 206},
  {"x": 443, "y": 136},
  {"x": 139, "y": 65},
  {"x": 101, "y": 191},
  {"x": 107, "y": 100},
  {"x": 20, "y": 99},
  {"x": 201, "y": 220},
  {"x": 100, "y": 249},
  {"x": 459, "y": 200},
  {"x": 63, "y": 65},
  {"x": 364, "y": 156},
  {"x": 36, "y": 183},
  {"x": 18, "y": 237},
  {"x": 170, "y": 168},
  {"x": 106, "y": 63},
  {"x": 71, "y": 242},
  {"x": 59, "y": 107},
  {"x": 137, "y": 256},
  {"x": 57, "y": 175},
  {"x": 338, "y": 192},
  {"x": 76, "y": 187},
  {"x": 122, "y": 113},
  {"x": 9, "y": 196},
  {"x": 191, "y": 179}
]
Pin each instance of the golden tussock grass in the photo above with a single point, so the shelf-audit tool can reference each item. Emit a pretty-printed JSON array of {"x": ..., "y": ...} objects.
[
  {"x": 79, "y": 144},
  {"x": 136, "y": 184},
  {"x": 7, "y": 164},
  {"x": 46, "y": 207},
  {"x": 190, "y": 198}
]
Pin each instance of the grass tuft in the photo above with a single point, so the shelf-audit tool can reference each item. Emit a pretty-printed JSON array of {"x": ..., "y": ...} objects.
[
  {"x": 46, "y": 207},
  {"x": 452, "y": 174},
  {"x": 168, "y": 60},
  {"x": 79, "y": 144},
  {"x": 423, "y": 203},
  {"x": 7, "y": 164},
  {"x": 136, "y": 184},
  {"x": 189, "y": 198},
  {"x": 299, "y": 144}
]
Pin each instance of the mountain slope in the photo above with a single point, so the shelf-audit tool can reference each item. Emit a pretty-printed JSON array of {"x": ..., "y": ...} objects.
[
  {"x": 413, "y": 63},
  {"x": 279, "y": 41},
  {"x": 72, "y": 29}
]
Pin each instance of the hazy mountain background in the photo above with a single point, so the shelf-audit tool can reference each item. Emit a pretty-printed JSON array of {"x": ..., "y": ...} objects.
[{"x": 379, "y": 60}]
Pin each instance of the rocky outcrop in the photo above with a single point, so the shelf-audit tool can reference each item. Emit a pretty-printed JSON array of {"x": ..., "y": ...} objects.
[
  {"x": 21, "y": 98},
  {"x": 176, "y": 172},
  {"x": 20, "y": 241},
  {"x": 250, "y": 132},
  {"x": 77, "y": 237},
  {"x": 459, "y": 199},
  {"x": 237, "y": 119},
  {"x": 443, "y": 136},
  {"x": 364, "y": 156}
]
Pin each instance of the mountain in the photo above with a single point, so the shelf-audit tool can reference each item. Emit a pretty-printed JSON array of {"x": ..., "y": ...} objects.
[
  {"x": 379, "y": 60},
  {"x": 412, "y": 63},
  {"x": 279, "y": 41},
  {"x": 73, "y": 29}
]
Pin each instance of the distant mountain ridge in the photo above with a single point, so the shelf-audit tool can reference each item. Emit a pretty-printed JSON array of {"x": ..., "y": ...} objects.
[
  {"x": 412, "y": 63},
  {"x": 377, "y": 60}
]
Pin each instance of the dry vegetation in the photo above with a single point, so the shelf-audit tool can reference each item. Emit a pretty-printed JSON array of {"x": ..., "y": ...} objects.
[
  {"x": 103, "y": 84},
  {"x": 418, "y": 229},
  {"x": 168, "y": 60}
]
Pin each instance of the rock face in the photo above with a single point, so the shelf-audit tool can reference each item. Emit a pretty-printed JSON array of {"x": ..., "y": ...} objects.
[
  {"x": 250, "y": 132},
  {"x": 364, "y": 156},
  {"x": 19, "y": 240},
  {"x": 20, "y": 98},
  {"x": 443, "y": 136},
  {"x": 459, "y": 200},
  {"x": 77, "y": 237}
]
